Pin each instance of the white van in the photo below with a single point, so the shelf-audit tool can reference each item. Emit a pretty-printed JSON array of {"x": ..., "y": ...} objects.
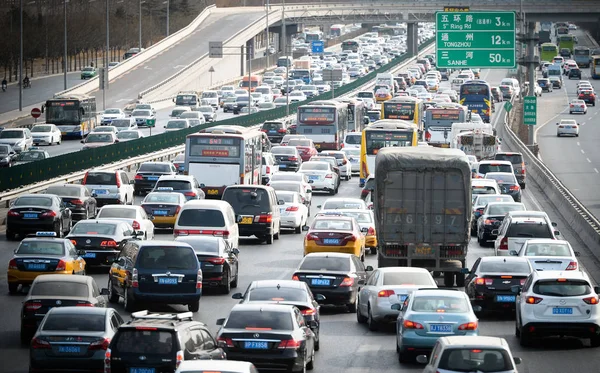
[
  {"x": 211, "y": 98},
  {"x": 210, "y": 217},
  {"x": 483, "y": 186},
  {"x": 352, "y": 140},
  {"x": 514, "y": 83}
]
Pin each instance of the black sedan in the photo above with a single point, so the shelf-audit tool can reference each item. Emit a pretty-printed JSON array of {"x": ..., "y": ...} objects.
[
  {"x": 287, "y": 157},
  {"x": 7, "y": 155},
  {"x": 508, "y": 184},
  {"x": 77, "y": 198},
  {"x": 37, "y": 212},
  {"x": 148, "y": 174},
  {"x": 69, "y": 334},
  {"x": 50, "y": 291},
  {"x": 336, "y": 276},
  {"x": 218, "y": 260},
  {"x": 270, "y": 336},
  {"x": 102, "y": 240},
  {"x": 491, "y": 218},
  {"x": 290, "y": 292},
  {"x": 489, "y": 282}
]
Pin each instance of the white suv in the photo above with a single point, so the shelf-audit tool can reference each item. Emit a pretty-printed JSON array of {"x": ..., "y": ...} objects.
[
  {"x": 516, "y": 230},
  {"x": 554, "y": 303}
]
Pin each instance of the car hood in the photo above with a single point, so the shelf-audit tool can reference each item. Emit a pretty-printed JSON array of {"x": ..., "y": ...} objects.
[{"x": 10, "y": 141}]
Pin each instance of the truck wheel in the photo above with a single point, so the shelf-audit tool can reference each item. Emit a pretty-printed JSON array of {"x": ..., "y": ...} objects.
[
  {"x": 448, "y": 279},
  {"x": 460, "y": 279}
]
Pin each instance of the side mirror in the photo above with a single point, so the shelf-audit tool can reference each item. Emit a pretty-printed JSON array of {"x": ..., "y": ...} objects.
[
  {"x": 514, "y": 253},
  {"x": 516, "y": 289},
  {"x": 465, "y": 271},
  {"x": 319, "y": 206},
  {"x": 139, "y": 233},
  {"x": 369, "y": 269},
  {"x": 364, "y": 230},
  {"x": 235, "y": 251},
  {"x": 319, "y": 297},
  {"x": 280, "y": 202},
  {"x": 116, "y": 140},
  {"x": 422, "y": 359},
  {"x": 305, "y": 228},
  {"x": 554, "y": 224},
  {"x": 517, "y": 360},
  {"x": 104, "y": 291},
  {"x": 237, "y": 296},
  {"x": 477, "y": 308},
  {"x": 397, "y": 306},
  {"x": 557, "y": 124},
  {"x": 495, "y": 232},
  {"x": 220, "y": 322}
]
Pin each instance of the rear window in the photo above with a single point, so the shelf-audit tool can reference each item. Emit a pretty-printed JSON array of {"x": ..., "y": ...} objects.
[
  {"x": 175, "y": 184},
  {"x": 336, "y": 155},
  {"x": 290, "y": 187},
  {"x": 531, "y": 230},
  {"x": 283, "y": 150},
  {"x": 162, "y": 198},
  {"x": 512, "y": 158},
  {"x": 503, "y": 209},
  {"x": 484, "y": 200},
  {"x": 278, "y": 294},
  {"x": 340, "y": 205},
  {"x": 475, "y": 360},
  {"x": 100, "y": 178},
  {"x": 154, "y": 167},
  {"x": 502, "y": 179},
  {"x": 560, "y": 288},
  {"x": 403, "y": 278},
  {"x": 353, "y": 139},
  {"x": 332, "y": 225},
  {"x": 117, "y": 213},
  {"x": 484, "y": 190},
  {"x": 38, "y": 247},
  {"x": 259, "y": 320},
  {"x": 133, "y": 341},
  {"x": 324, "y": 263},
  {"x": 60, "y": 289},
  {"x": 440, "y": 304},
  {"x": 201, "y": 218},
  {"x": 94, "y": 228},
  {"x": 494, "y": 167},
  {"x": 546, "y": 249},
  {"x": 299, "y": 142},
  {"x": 64, "y": 191},
  {"x": 504, "y": 267},
  {"x": 248, "y": 200},
  {"x": 272, "y": 126},
  {"x": 74, "y": 322},
  {"x": 316, "y": 166},
  {"x": 157, "y": 257}
]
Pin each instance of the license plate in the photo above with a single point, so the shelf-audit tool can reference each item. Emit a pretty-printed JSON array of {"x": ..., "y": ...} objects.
[
  {"x": 167, "y": 280},
  {"x": 423, "y": 251},
  {"x": 313, "y": 177},
  {"x": 506, "y": 298},
  {"x": 69, "y": 349},
  {"x": 63, "y": 133},
  {"x": 159, "y": 212},
  {"x": 440, "y": 328},
  {"x": 141, "y": 370},
  {"x": 152, "y": 178},
  {"x": 89, "y": 255},
  {"x": 562, "y": 311},
  {"x": 212, "y": 192},
  {"x": 256, "y": 345},
  {"x": 272, "y": 131},
  {"x": 30, "y": 216},
  {"x": 282, "y": 165},
  {"x": 36, "y": 266},
  {"x": 318, "y": 146},
  {"x": 331, "y": 241},
  {"x": 282, "y": 210},
  {"x": 246, "y": 220},
  {"x": 99, "y": 191},
  {"x": 320, "y": 282},
  {"x": 402, "y": 297}
]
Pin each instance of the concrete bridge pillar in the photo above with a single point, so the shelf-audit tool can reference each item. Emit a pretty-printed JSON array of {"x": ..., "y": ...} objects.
[{"x": 412, "y": 39}]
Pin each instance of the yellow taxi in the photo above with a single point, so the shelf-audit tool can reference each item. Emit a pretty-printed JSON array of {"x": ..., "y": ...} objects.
[
  {"x": 338, "y": 234},
  {"x": 382, "y": 93},
  {"x": 43, "y": 254},
  {"x": 164, "y": 206},
  {"x": 364, "y": 218}
]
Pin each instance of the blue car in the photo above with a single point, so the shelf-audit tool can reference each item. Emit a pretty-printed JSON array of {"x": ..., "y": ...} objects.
[{"x": 428, "y": 314}]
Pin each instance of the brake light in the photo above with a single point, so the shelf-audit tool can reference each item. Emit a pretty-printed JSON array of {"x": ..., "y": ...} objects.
[
  {"x": 293, "y": 158},
  {"x": 385, "y": 293},
  {"x": 263, "y": 218},
  {"x": 572, "y": 266},
  {"x": 572, "y": 105},
  {"x": 591, "y": 300},
  {"x": 281, "y": 130},
  {"x": 178, "y": 359},
  {"x": 134, "y": 278},
  {"x": 468, "y": 326},
  {"x": 177, "y": 210},
  {"x": 427, "y": 136},
  {"x": 217, "y": 261},
  {"x": 348, "y": 281},
  {"x": 295, "y": 278},
  {"x": 533, "y": 300},
  {"x": 503, "y": 244},
  {"x": 48, "y": 214},
  {"x": 523, "y": 168},
  {"x": 12, "y": 264},
  {"x": 84, "y": 179},
  {"x": 407, "y": 324},
  {"x": 224, "y": 234},
  {"x": 263, "y": 130},
  {"x": 74, "y": 242},
  {"x": 309, "y": 312},
  {"x": 371, "y": 231},
  {"x": 109, "y": 243},
  {"x": 190, "y": 194},
  {"x": 225, "y": 342},
  {"x": 523, "y": 281},
  {"x": 290, "y": 343},
  {"x": 350, "y": 238},
  {"x": 136, "y": 225},
  {"x": 32, "y": 306},
  {"x": 77, "y": 202},
  {"x": 61, "y": 266},
  {"x": 311, "y": 237},
  {"x": 84, "y": 304},
  {"x": 484, "y": 281},
  {"x": 268, "y": 170},
  {"x": 139, "y": 177},
  {"x": 292, "y": 208},
  {"x": 101, "y": 344},
  {"x": 199, "y": 278},
  {"x": 329, "y": 176},
  {"x": 118, "y": 180},
  {"x": 514, "y": 187},
  {"x": 13, "y": 213},
  {"x": 40, "y": 344}
]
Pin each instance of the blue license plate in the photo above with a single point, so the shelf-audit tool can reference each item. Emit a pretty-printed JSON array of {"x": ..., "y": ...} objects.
[
  {"x": 256, "y": 345},
  {"x": 152, "y": 178},
  {"x": 69, "y": 349},
  {"x": 320, "y": 281},
  {"x": 506, "y": 298},
  {"x": 440, "y": 328},
  {"x": 30, "y": 216},
  {"x": 141, "y": 370},
  {"x": 181, "y": 168},
  {"x": 562, "y": 311},
  {"x": 402, "y": 297},
  {"x": 99, "y": 191},
  {"x": 282, "y": 166},
  {"x": 36, "y": 266},
  {"x": 272, "y": 131},
  {"x": 313, "y": 177},
  {"x": 89, "y": 255},
  {"x": 159, "y": 212},
  {"x": 331, "y": 241},
  {"x": 167, "y": 280}
]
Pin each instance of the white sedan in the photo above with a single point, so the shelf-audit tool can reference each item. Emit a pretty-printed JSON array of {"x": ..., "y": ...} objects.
[
  {"x": 577, "y": 106},
  {"x": 134, "y": 215},
  {"x": 109, "y": 114},
  {"x": 343, "y": 204},
  {"x": 46, "y": 133},
  {"x": 353, "y": 156},
  {"x": 293, "y": 176},
  {"x": 549, "y": 255},
  {"x": 321, "y": 174},
  {"x": 567, "y": 127},
  {"x": 297, "y": 96},
  {"x": 294, "y": 214}
]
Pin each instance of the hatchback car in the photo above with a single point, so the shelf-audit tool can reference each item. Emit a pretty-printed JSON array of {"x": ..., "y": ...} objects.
[
  {"x": 321, "y": 176},
  {"x": 588, "y": 96},
  {"x": 98, "y": 139},
  {"x": 20, "y": 139},
  {"x": 515, "y": 230},
  {"x": 567, "y": 127},
  {"x": 184, "y": 184},
  {"x": 34, "y": 154}
]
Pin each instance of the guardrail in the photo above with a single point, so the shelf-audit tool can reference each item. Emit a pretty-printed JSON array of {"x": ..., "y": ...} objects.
[{"x": 24, "y": 178}]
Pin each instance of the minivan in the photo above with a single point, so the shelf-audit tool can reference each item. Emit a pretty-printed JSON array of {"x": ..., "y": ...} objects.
[
  {"x": 211, "y": 217},
  {"x": 212, "y": 98},
  {"x": 256, "y": 210}
]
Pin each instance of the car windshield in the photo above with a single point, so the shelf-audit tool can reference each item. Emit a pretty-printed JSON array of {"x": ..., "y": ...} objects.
[
  {"x": 475, "y": 360},
  {"x": 532, "y": 230},
  {"x": 248, "y": 200},
  {"x": 41, "y": 129},
  {"x": 259, "y": 320},
  {"x": 325, "y": 263},
  {"x": 60, "y": 289},
  {"x": 283, "y": 150},
  {"x": 128, "y": 135},
  {"x": 314, "y": 166},
  {"x": 162, "y": 198},
  {"x": 300, "y": 142},
  {"x": 98, "y": 137},
  {"x": 33, "y": 201},
  {"x": 145, "y": 342},
  {"x": 117, "y": 213},
  {"x": 278, "y": 294},
  {"x": 353, "y": 139},
  {"x": 112, "y": 111},
  {"x": 64, "y": 191},
  {"x": 494, "y": 167},
  {"x": 343, "y": 204},
  {"x": 407, "y": 278},
  {"x": 154, "y": 167},
  {"x": 121, "y": 123},
  {"x": 88, "y": 69},
  {"x": 100, "y": 178},
  {"x": 94, "y": 228},
  {"x": 201, "y": 218},
  {"x": 72, "y": 322},
  {"x": 439, "y": 304},
  {"x": 41, "y": 247},
  {"x": 547, "y": 249},
  {"x": 562, "y": 287},
  {"x": 31, "y": 156},
  {"x": 160, "y": 257},
  {"x": 177, "y": 124},
  {"x": 503, "y": 267},
  {"x": 502, "y": 179},
  {"x": 332, "y": 224},
  {"x": 12, "y": 134},
  {"x": 141, "y": 113},
  {"x": 502, "y": 209}
]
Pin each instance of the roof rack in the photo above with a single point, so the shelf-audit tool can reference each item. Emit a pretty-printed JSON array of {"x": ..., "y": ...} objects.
[{"x": 162, "y": 316}]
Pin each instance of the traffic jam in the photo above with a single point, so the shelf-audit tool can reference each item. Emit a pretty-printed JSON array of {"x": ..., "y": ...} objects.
[{"x": 387, "y": 190}]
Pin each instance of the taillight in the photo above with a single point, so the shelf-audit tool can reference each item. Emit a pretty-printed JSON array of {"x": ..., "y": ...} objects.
[
  {"x": 13, "y": 213},
  {"x": 281, "y": 130},
  {"x": 407, "y": 324},
  {"x": 295, "y": 278},
  {"x": 572, "y": 266},
  {"x": 61, "y": 266},
  {"x": 190, "y": 194},
  {"x": 268, "y": 169},
  {"x": 12, "y": 264},
  {"x": 348, "y": 281},
  {"x": 263, "y": 130},
  {"x": 484, "y": 281},
  {"x": 290, "y": 343},
  {"x": 107, "y": 360},
  {"x": 533, "y": 300},
  {"x": 134, "y": 278},
  {"x": 84, "y": 179},
  {"x": 109, "y": 243},
  {"x": 309, "y": 312},
  {"x": 139, "y": 177},
  {"x": 523, "y": 281},
  {"x": 514, "y": 187},
  {"x": 371, "y": 231},
  {"x": 292, "y": 208},
  {"x": 177, "y": 210},
  {"x": 100, "y": 344},
  {"x": 263, "y": 218},
  {"x": 199, "y": 278},
  {"x": 33, "y": 306},
  {"x": 217, "y": 261},
  {"x": 48, "y": 214},
  {"x": 311, "y": 237},
  {"x": 74, "y": 242},
  {"x": 523, "y": 168},
  {"x": 329, "y": 176},
  {"x": 385, "y": 293},
  {"x": 591, "y": 300},
  {"x": 225, "y": 342},
  {"x": 293, "y": 158},
  {"x": 136, "y": 225},
  {"x": 572, "y": 105},
  {"x": 118, "y": 180},
  {"x": 77, "y": 202},
  {"x": 178, "y": 359},
  {"x": 427, "y": 136},
  {"x": 40, "y": 344},
  {"x": 468, "y": 326},
  {"x": 350, "y": 238},
  {"x": 503, "y": 244},
  {"x": 84, "y": 304}
]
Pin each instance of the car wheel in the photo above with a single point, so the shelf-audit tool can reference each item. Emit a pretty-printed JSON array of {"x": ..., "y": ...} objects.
[
  {"x": 128, "y": 303},
  {"x": 595, "y": 341},
  {"x": 234, "y": 283},
  {"x": 298, "y": 229},
  {"x": 517, "y": 331},
  {"x": 226, "y": 287},
  {"x": 311, "y": 364},
  {"x": 194, "y": 306},
  {"x": 373, "y": 250},
  {"x": 317, "y": 341},
  {"x": 113, "y": 296},
  {"x": 269, "y": 239},
  {"x": 371, "y": 323},
  {"x": 359, "y": 317},
  {"x": 13, "y": 288},
  {"x": 404, "y": 357},
  {"x": 276, "y": 235},
  {"x": 460, "y": 279},
  {"x": 525, "y": 338}
]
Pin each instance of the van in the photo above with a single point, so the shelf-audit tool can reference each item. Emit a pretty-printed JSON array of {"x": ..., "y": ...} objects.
[
  {"x": 211, "y": 97},
  {"x": 256, "y": 209},
  {"x": 285, "y": 61},
  {"x": 255, "y": 81},
  {"x": 514, "y": 84},
  {"x": 211, "y": 217},
  {"x": 456, "y": 83}
]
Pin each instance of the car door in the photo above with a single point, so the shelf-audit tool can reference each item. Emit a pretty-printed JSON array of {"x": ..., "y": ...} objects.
[
  {"x": 361, "y": 273},
  {"x": 366, "y": 291},
  {"x": 101, "y": 299},
  {"x": 76, "y": 259},
  {"x": 127, "y": 187},
  {"x": 90, "y": 203},
  {"x": 209, "y": 346},
  {"x": 117, "y": 274}
]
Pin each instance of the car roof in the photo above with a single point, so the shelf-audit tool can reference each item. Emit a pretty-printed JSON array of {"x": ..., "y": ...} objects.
[
  {"x": 62, "y": 278},
  {"x": 114, "y": 221},
  {"x": 547, "y": 275},
  {"x": 277, "y": 283},
  {"x": 204, "y": 203},
  {"x": 494, "y": 161},
  {"x": 330, "y": 255},
  {"x": 78, "y": 310},
  {"x": 483, "y": 182},
  {"x": 546, "y": 240},
  {"x": 402, "y": 270},
  {"x": 527, "y": 213},
  {"x": 499, "y": 173},
  {"x": 161, "y": 243},
  {"x": 474, "y": 342},
  {"x": 503, "y": 259},
  {"x": 176, "y": 177}
]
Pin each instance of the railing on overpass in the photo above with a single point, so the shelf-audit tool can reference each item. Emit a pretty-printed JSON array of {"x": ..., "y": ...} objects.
[{"x": 30, "y": 173}]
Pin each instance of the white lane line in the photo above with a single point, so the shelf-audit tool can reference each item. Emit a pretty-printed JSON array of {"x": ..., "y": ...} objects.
[
  {"x": 595, "y": 169},
  {"x": 583, "y": 124},
  {"x": 551, "y": 119},
  {"x": 589, "y": 160},
  {"x": 578, "y": 143},
  {"x": 582, "y": 152}
]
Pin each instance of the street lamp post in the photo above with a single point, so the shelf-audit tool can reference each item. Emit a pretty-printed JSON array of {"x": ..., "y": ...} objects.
[
  {"x": 65, "y": 51},
  {"x": 140, "y": 25},
  {"x": 105, "y": 85},
  {"x": 267, "y": 34},
  {"x": 168, "y": 11},
  {"x": 21, "y": 62}
]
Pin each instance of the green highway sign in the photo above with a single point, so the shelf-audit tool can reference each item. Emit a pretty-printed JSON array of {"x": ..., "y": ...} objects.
[
  {"x": 475, "y": 39},
  {"x": 508, "y": 106},
  {"x": 530, "y": 110}
]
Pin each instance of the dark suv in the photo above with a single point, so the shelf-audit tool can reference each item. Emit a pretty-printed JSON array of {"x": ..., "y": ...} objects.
[
  {"x": 518, "y": 164},
  {"x": 574, "y": 74},
  {"x": 153, "y": 342},
  {"x": 275, "y": 130},
  {"x": 155, "y": 272}
]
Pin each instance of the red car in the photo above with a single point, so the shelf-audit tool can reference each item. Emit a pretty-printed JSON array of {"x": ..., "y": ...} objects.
[
  {"x": 589, "y": 97},
  {"x": 305, "y": 147}
]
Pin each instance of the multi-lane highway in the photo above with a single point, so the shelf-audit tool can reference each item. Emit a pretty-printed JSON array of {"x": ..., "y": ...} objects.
[
  {"x": 346, "y": 346},
  {"x": 574, "y": 160}
]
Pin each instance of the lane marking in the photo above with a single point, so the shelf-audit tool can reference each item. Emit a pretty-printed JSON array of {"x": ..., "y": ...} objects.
[
  {"x": 578, "y": 143},
  {"x": 595, "y": 169},
  {"x": 582, "y": 152},
  {"x": 589, "y": 160},
  {"x": 566, "y": 95}
]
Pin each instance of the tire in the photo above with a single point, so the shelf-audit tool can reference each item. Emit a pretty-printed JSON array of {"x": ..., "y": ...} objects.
[
  {"x": 234, "y": 283},
  {"x": 298, "y": 229},
  {"x": 311, "y": 364},
  {"x": 59, "y": 230},
  {"x": 225, "y": 288},
  {"x": 448, "y": 279},
  {"x": 525, "y": 339},
  {"x": 517, "y": 331},
  {"x": 351, "y": 307},
  {"x": 460, "y": 279},
  {"x": 276, "y": 235},
  {"x": 373, "y": 250},
  {"x": 269, "y": 239},
  {"x": 195, "y": 306},
  {"x": 10, "y": 236},
  {"x": 13, "y": 288},
  {"x": 404, "y": 357},
  {"x": 26, "y": 336},
  {"x": 318, "y": 342},
  {"x": 332, "y": 192},
  {"x": 113, "y": 296},
  {"x": 595, "y": 341},
  {"x": 371, "y": 323},
  {"x": 359, "y": 317},
  {"x": 129, "y": 304}
]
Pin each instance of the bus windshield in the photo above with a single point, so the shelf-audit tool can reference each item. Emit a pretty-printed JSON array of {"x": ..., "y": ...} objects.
[
  {"x": 405, "y": 111},
  {"x": 62, "y": 112},
  {"x": 183, "y": 100},
  {"x": 376, "y": 140}
]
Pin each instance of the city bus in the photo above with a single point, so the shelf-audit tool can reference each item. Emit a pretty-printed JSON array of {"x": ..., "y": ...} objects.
[
  {"x": 313, "y": 36},
  {"x": 582, "y": 56},
  {"x": 548, "y": 51},
  {"x": 356, "y": 114},
  {"x": 439, "y": 120},
  {"x": 324, "y": 122},
  {"x": 381, "y": 134},
  {"x": 74, "y": 115},
  {"x": 595, "y": 67},
  {"x": 350, "y": 45},
  {"x": 477, "y": 96},
  {"x": 567, "y": 41},
  {"x": 336, "y": 30},
  {"x": 221, "y": 158},
  {"x": 404, "y": 108}
]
